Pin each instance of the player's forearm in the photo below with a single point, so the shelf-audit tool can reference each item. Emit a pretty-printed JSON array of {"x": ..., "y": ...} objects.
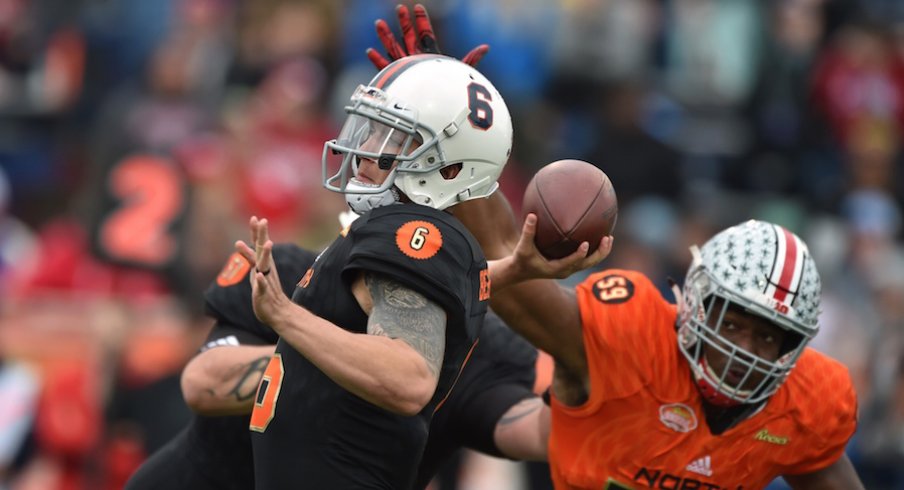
[
  {"x": 386, "y": 372},
  {"x": 492, "y": 223},
  {"x": 544, "y": 313},
  {"x": 223, "y": 380},
  {"x": 522, "y": 433}
]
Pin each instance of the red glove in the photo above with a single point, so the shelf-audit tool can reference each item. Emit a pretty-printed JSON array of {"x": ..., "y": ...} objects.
[{"x": 419, "y": 38}]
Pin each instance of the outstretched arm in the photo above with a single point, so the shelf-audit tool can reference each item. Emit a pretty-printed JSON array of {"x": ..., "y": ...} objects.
[
  {"x": 524, "y": 291},
  {"x": 522, "y": 433}
]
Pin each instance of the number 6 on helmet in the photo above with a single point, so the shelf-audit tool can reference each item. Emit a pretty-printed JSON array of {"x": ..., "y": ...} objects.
[{"x": 426, "y": 113}]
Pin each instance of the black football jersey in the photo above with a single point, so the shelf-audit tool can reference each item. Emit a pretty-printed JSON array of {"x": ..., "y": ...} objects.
[
  {"x": 500, "y": 373},
  {"x": 309, "y": 431},
  {"x": 214, "y": 453}
]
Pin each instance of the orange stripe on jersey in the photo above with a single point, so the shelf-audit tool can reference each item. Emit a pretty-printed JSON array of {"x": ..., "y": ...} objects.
[{"x": 463, "y": 364}]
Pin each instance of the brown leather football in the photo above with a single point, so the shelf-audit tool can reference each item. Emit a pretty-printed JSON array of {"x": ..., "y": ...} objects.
[{"x": 574, "y": 202}]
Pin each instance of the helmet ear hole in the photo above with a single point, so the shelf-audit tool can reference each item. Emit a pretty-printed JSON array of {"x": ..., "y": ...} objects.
[{"x": 449, "y": 172}]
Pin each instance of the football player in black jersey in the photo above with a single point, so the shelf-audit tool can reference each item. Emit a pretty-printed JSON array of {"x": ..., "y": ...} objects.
[
  {"x": 378, "y": 329},
  {"x": 492, "y": 408}
]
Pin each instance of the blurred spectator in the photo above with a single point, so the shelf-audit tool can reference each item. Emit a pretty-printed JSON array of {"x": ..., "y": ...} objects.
[
  {"x": 271, "y": 32},
  {"x": 845, "y": 324},
  {"x": 519, "y": 59},
  {"x": 872, "y": 156},
  {"x": 712, "y": 51},
  {"x": 797, "y": 29},
  {"x": 880, "y": 444},
  {"x": 778, "y": 108},
  {"x": 19, "y": 388},
  {"x": 122, "y": 36},
  {"x": 41, "y": 57},
  {"x": 277, "y": 138},
  {"x": 42, "y": 60},
  {"x": 860, "y": 78},
  {"x": 638, "y": 164},
  {"x": 711, "y": 56},
  {"x": 177, "y": 98},
  {"x": 597, "y": 41},
  {"x": 17, "y": 242}
]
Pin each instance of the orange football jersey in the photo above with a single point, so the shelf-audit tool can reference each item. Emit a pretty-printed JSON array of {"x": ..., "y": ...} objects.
[{"x": 644, "y": 427}]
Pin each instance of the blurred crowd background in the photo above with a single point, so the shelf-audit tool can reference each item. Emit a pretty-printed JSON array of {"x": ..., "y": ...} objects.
[{"x": 137, "y": 137}]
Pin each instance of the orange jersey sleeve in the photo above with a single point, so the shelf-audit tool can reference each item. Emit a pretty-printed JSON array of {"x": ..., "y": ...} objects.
[
  {"x": 820, "y": 393},
  {"x": 625, "y": 322}
]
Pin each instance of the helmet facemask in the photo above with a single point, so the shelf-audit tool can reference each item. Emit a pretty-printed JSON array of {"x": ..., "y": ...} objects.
[{"x": 379, "y": 129}]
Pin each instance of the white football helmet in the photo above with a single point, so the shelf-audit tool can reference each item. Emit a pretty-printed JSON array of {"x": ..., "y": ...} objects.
[
  {"x": 424, "y": 113},
  {"x": 764, "y": 270}
]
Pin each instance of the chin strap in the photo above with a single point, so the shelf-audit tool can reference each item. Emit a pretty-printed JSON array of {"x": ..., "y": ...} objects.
[
  {"x": 709, "y": 391},
  {"x": 362, "y": 202},
  {"x": 713, "y": 396}
]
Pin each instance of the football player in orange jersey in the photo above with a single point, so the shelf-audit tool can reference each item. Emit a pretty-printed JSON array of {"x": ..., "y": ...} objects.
[{"x": 717, "y": 392}]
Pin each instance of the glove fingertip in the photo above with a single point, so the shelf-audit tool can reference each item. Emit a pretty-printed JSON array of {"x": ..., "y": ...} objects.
[
  {"x": 382, "y": 27},
  {"x": 376, "y": 58}
]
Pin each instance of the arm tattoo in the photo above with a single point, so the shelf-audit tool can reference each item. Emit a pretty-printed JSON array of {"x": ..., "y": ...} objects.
[
  {"x": 246, "y": 386},
  {"x": 520, "y": 410},
  {"x": 402, "y": 313}
]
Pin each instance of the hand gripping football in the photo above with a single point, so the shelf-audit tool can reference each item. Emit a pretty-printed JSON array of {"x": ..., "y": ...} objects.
[{"x": 574, "y": 202}]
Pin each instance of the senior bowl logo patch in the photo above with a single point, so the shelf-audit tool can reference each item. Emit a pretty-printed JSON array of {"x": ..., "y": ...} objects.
[
  {"x": 233, "y": 270},
  {"x": 419, "y": 239},
  {"x": 678, "y": 417}
]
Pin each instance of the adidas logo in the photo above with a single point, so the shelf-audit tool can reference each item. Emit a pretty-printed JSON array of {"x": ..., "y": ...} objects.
[
  {"x": 230, "y": 340},
  {"x": 701, "y": 466}
]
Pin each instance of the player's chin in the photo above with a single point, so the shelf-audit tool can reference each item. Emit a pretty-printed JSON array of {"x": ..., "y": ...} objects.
[
  {"x": 733, "y": 378},
  {"x": 737, "y": 383}
]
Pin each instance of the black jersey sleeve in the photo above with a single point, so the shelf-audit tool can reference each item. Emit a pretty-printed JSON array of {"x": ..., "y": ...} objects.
[
  {"x": 425, "y": 249},
  {"x": 228, "y": 298},
  {"x": 500, "y": 373}
]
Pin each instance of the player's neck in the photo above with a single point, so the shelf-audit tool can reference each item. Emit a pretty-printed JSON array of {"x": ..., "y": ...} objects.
[{"x": 719, "y": 419}]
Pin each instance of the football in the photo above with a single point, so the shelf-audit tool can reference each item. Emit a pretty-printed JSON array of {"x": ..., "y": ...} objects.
[{"x": 574, "y": 202}]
